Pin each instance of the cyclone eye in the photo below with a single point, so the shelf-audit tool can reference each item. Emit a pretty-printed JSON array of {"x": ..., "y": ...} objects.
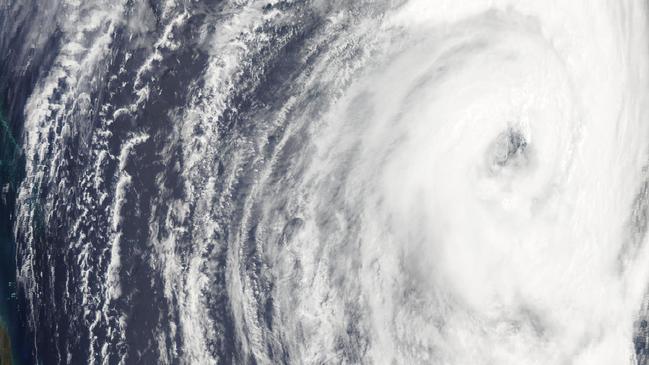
[{"x": 510, "y": 149}]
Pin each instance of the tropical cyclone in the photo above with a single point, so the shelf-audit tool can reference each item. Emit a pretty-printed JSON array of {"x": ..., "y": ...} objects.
[{"x": 434, "y": 182}]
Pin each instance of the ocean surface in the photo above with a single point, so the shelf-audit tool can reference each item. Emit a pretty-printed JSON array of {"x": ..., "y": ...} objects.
[{"x": 324, "y": 182}]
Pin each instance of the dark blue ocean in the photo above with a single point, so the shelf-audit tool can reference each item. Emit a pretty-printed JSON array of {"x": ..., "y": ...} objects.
[{"x": 325, "y": 181}]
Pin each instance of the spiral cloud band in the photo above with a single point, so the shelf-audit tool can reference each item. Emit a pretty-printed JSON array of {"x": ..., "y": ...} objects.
[
  {"x": 331, "y": 182},
  {"x": 485, "y": 170}
]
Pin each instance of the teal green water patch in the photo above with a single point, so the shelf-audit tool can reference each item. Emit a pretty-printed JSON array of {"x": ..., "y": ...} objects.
[{"x": 11, "y": 167}]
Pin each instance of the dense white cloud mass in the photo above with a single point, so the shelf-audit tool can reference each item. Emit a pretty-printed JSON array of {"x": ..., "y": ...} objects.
[{"x": 492, "y": 157}]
